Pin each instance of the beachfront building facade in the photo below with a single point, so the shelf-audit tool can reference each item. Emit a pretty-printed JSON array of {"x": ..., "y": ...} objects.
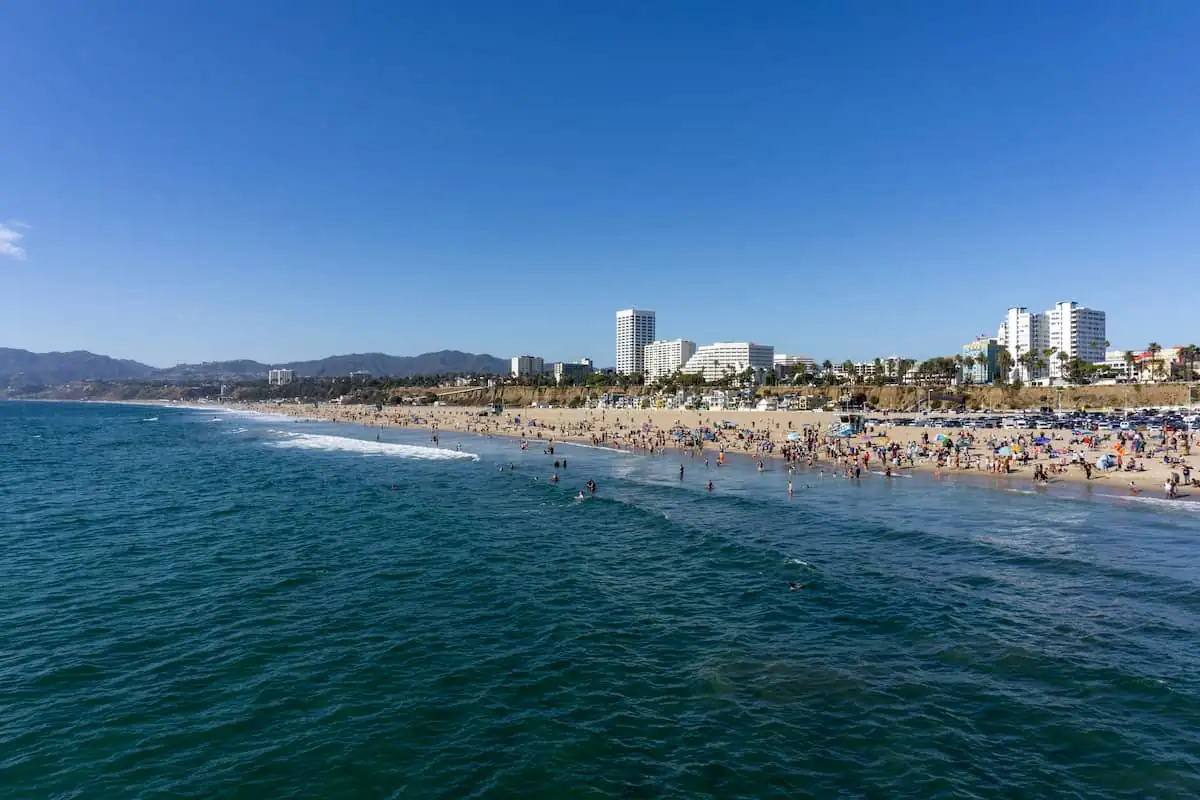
[
  {"x": 571, "y": 371},
  {"x": 1077, "y": 332},
  {"x": 1023, "y": 332},
  {"x": 786, "y": 364},
  {"x": 722, "y": 360},
  {"x": 1122, "y": 365},
  {"x": 635, "y": 330},
  {"x": 527, "y": 366},
  {"x": 979, "y": 360},
  {"x": 662, "y": 359},
  {"x": 280, "y": 377}
]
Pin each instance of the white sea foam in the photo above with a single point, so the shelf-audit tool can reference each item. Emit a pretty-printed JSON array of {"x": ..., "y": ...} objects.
[
  {"x": 239, "y": 430},
  {"x": 150, "y": 419},
  {"x": 316, "y": 441},
  {"x": 596, "y": 447},
  {"x": 1162, "y": 502},
  {"x": 799, "y": 562}
]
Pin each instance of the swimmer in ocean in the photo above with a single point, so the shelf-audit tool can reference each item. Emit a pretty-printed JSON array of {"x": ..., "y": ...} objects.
[
  {"x": 554, "y": 478},
  {"x": 795, "y": 587},
  {"x": 579, "y": 496},
  {"x": 710, "y": 486}
]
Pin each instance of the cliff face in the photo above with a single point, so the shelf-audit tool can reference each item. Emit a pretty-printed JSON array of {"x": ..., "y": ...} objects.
[{"x": 903, "y": 398}]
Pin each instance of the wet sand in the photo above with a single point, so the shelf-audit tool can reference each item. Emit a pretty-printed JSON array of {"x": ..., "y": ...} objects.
[{"x": 762, "y": 435}]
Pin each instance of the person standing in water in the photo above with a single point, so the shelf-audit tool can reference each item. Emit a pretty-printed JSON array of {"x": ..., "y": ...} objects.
[{"x": 681, "y": 472}]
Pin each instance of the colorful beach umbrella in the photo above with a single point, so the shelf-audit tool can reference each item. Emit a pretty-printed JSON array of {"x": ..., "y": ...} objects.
[{"x": 1004, "y": 452}]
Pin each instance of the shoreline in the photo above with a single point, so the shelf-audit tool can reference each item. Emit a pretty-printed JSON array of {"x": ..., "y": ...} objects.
[{"x": 462, "y": 420}]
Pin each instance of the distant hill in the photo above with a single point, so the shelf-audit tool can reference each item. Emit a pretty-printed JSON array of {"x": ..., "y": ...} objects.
[
  {"x": 379, "y": 364},
  {"x": 23, "y": 368}
]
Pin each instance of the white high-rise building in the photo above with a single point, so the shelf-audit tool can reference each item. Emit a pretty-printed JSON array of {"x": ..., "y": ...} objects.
[
  {"x": 662, "y": 358},
  {"x": 1079, "y": 332},
  {"x": 721, "y": 359},
  {"x": 635, "y": 330},
  {"x": 279, "y": 377},
  {"x": 1021, "y": 332},
  {"x": 524, "y": 366}
]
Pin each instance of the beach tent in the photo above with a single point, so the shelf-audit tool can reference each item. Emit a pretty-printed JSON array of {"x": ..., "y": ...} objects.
[
  {"x": 1106, "y": 461},
  {"x": 1041, "y": 440},
  {"x": 793, "y": 436}
]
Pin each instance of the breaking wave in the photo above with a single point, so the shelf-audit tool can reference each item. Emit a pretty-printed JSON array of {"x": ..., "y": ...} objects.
[{"x": 345, "y": 444}]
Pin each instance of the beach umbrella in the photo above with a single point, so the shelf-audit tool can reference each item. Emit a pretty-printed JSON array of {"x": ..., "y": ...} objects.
[
  {"x": 1004, "y": 452},
  {"x": 1041, "y": 440},
  {"x": 941, "y": 437},
  {"x": 793, "y": 436}
]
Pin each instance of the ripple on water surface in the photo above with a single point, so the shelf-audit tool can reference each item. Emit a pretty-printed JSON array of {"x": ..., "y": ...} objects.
[{"x": 187, "y": 611}]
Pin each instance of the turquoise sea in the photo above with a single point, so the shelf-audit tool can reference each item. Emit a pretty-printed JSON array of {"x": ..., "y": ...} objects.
[{"x": 210, "y": 604}]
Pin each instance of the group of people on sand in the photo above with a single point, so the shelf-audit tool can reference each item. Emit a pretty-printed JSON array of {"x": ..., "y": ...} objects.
[{"x": 881, "y": 448}]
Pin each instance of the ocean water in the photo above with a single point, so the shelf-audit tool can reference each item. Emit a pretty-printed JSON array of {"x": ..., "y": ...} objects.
[{"x": 207, "y": 604}]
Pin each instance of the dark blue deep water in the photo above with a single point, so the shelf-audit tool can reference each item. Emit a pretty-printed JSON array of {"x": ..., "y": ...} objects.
[{"x": 217, "y": 605}]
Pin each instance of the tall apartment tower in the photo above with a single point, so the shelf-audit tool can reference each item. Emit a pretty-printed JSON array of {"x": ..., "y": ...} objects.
[
  {"x": 1077, "y": 332},
  {"x": 1023, "y": 332},
  {"x": 635, "y": 330}
]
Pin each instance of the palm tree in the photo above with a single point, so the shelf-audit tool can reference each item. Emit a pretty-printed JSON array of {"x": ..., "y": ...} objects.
[
  {"x": 1154, "y": 349},
  {"x": 1193, "y": 353},
  {"x": 1129, "y": 358},
  {"x": 1004, "y": 365}
]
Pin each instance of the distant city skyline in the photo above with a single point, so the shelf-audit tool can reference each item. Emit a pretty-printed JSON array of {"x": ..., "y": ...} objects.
[{"x": 841, "y": 182}]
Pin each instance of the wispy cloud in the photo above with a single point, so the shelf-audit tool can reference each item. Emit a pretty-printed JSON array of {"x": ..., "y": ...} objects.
[{"x": 11, "y": 234}]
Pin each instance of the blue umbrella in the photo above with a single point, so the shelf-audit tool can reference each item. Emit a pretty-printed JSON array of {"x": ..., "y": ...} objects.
[{"x": 1004, "y": 452}]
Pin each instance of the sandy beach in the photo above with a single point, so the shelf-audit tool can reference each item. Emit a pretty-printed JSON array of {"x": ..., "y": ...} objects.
[{"x": 1045, "y": 457}]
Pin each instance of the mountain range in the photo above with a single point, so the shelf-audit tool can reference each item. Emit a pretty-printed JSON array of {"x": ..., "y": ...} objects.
[{"x": 23, "y": 368}]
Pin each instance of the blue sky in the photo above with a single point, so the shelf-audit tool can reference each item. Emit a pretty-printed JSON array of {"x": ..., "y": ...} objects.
[{"x": 184, "y": 181}]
